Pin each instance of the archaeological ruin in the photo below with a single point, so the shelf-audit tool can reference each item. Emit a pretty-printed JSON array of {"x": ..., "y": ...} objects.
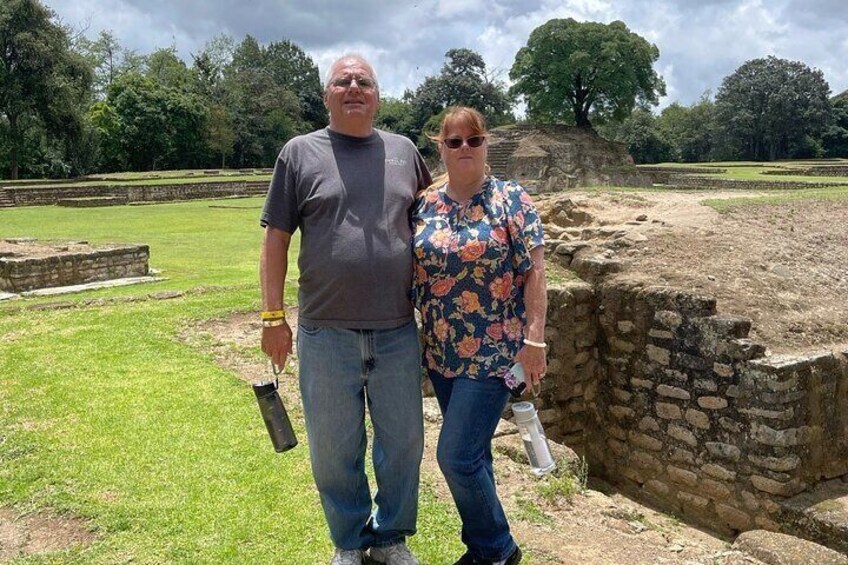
[{"x": 672, "y": 402}]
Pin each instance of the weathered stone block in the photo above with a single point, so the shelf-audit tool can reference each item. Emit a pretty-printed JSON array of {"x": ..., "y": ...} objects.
[
  {"x": 733, "y": 517},
  {"x": 658, "y": 355},
  {"x": 719, "y": 472},
  {"x": 657, "y": 488},
  {"x": 693, "y": 501},
  {"x": 618, "y": 448},
  {"x": 698, "y": 419},
  {"x": 621, "y": 395},
  {"x": 648, "y": 424},
  {"x": 668, "y": 411},
  {"x": 714, "y": 489},
  {"x": 681, "y": 476},
  {"x": 645, "y": 441},
  {"x": 660, "y": 334},
  {"x": 781, "y": 438},
  {"x": 621, "y": 412},
  {"x": 682, "y": 456},
  {"x": 682, "y": 434},
  {"x": 668, "y": 319},
  {"x": 673, "y": 392},
  {"x": 642, "y": 383},
  {"x": 723, "y": 450},
  {"x": 771, "y": 486},
  {"x": 708, "y": 385},
  {"x": 646, "y": 461},
  {"x": 777, "y": 464},
  {"x": 712, "y": 402},
  {"x": 722, "y": 370}
]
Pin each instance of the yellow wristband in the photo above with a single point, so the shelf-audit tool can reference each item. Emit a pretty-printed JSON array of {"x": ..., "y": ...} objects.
[
  {"x": 273, "y": 315},
  {"x": 273, "y": 323},
  {"x": 540, "y": 344}
]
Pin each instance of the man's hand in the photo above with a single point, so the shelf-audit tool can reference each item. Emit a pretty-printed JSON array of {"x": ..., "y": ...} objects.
[{"x": 277, "y": 344}]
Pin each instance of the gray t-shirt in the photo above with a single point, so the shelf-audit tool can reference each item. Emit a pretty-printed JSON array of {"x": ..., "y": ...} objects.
[{"x": 351, "y": 198}]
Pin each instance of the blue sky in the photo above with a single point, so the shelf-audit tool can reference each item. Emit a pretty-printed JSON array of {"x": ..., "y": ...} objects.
[{"x": 700, "y": 42}]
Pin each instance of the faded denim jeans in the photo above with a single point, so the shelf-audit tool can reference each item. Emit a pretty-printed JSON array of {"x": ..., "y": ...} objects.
[{"x": 340, "y": 371}]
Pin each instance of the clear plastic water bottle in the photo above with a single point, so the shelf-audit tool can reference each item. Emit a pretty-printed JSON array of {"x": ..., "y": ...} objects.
[{"x": 533, "y": 436}]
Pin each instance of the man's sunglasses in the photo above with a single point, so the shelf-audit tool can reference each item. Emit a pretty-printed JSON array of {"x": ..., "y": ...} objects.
[
  {"x": 363, "y": 82},
  {"x": 456, "y": 142}
]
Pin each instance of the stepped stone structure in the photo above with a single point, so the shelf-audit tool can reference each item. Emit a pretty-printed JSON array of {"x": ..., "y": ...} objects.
[{"x": 556, "y": 157}]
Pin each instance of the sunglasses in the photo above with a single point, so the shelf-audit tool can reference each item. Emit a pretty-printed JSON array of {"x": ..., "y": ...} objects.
[
  {"x": 456, "y": 142},
  {"x": 363, "y": 82}
]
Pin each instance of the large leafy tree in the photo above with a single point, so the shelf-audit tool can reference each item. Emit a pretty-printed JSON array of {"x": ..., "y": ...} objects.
[
  {"x": 43, "y": 83},
  {"x": 772, "y": 108},
  {"x": 463, "y": 81},
  {"x": 570, "y": 70}
]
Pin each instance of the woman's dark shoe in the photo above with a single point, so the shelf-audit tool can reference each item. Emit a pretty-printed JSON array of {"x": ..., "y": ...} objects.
[
  {"x": 468, "y": 559},
  {"x": 515, "y": 558}
]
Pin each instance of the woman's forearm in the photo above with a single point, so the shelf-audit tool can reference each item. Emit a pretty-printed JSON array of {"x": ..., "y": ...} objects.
[{"x": 536, "y": 296}]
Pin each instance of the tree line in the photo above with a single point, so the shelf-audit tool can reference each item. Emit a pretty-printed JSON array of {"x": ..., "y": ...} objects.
[{"x": 70, "y": 105}]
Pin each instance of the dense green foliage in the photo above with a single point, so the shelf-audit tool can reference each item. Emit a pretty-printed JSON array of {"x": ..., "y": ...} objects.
[
  {"x": 569, "y": 69},
  {"x": 42, "y": 87}
]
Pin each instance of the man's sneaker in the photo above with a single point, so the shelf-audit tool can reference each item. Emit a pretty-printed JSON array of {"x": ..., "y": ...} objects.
[
  {"x": 397, "y": 554},
  {"x": 347, "y": 557}
]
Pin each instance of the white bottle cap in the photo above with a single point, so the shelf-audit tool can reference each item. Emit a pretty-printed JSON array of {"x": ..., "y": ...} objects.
[{"x": 524, "y": 412}]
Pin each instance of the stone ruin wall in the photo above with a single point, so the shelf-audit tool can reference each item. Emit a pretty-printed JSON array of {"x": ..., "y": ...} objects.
[
  {"x": 20, "y": 274},
  {"x": 124, "y": 194},
  {"x": 675, "y": 405}
]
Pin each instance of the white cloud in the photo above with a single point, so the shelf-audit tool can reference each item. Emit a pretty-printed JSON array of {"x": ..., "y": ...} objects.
[{"x": 700, "y": 43}]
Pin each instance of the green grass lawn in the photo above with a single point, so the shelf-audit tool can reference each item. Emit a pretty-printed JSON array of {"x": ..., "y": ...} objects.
[{"x": 107, "y": 415}]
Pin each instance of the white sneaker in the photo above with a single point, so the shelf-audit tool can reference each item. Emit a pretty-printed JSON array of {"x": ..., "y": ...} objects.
[
  {"x": 397, "y": 554},
  {"x": 347, "y": 557}
]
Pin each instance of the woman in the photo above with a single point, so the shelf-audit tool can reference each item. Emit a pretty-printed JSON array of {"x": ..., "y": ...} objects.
[{"x": 480, "y": 287}]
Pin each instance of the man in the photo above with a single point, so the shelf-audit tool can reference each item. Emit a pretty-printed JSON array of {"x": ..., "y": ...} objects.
[{"x": 349, "y": 188}]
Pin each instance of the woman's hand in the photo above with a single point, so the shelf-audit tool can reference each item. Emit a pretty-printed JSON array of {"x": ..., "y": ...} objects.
[{"x": 535, "y": 364}]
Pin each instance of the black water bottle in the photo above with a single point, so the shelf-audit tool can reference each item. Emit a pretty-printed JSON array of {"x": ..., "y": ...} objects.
[{"x": 275, "y": 416}]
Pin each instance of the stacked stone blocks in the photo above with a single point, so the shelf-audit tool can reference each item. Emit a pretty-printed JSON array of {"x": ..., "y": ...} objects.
[
  {"x": 680, "y": 408},
  {"x": 20, "y": 274}
]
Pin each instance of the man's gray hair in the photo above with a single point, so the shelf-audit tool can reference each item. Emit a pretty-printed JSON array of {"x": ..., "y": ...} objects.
[{"x": 356, "y": 57}]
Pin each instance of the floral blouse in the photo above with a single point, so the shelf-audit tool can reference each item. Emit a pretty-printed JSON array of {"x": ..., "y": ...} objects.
[{"x": 470, "y": 261}]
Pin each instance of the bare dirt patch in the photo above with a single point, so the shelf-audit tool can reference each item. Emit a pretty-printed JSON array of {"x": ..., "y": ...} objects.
[
  {"x": 39, "y": 533},
  {"x": 785, "y": 266}
]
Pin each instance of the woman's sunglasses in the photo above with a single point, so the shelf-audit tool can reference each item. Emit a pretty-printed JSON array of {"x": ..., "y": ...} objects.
[{"x": 456, "y": 142}]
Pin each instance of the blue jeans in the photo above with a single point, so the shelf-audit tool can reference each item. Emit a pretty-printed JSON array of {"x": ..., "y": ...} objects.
[
  {"x": 471, "y": 410},
  {"x": 341, "y": 370}
]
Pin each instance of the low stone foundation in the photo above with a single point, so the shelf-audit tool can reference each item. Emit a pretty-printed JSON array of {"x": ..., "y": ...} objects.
[
  {"x": 675, "y": 405},
  {"x": 25, "y": 265},
  {"x": 89, "y": 195}
]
